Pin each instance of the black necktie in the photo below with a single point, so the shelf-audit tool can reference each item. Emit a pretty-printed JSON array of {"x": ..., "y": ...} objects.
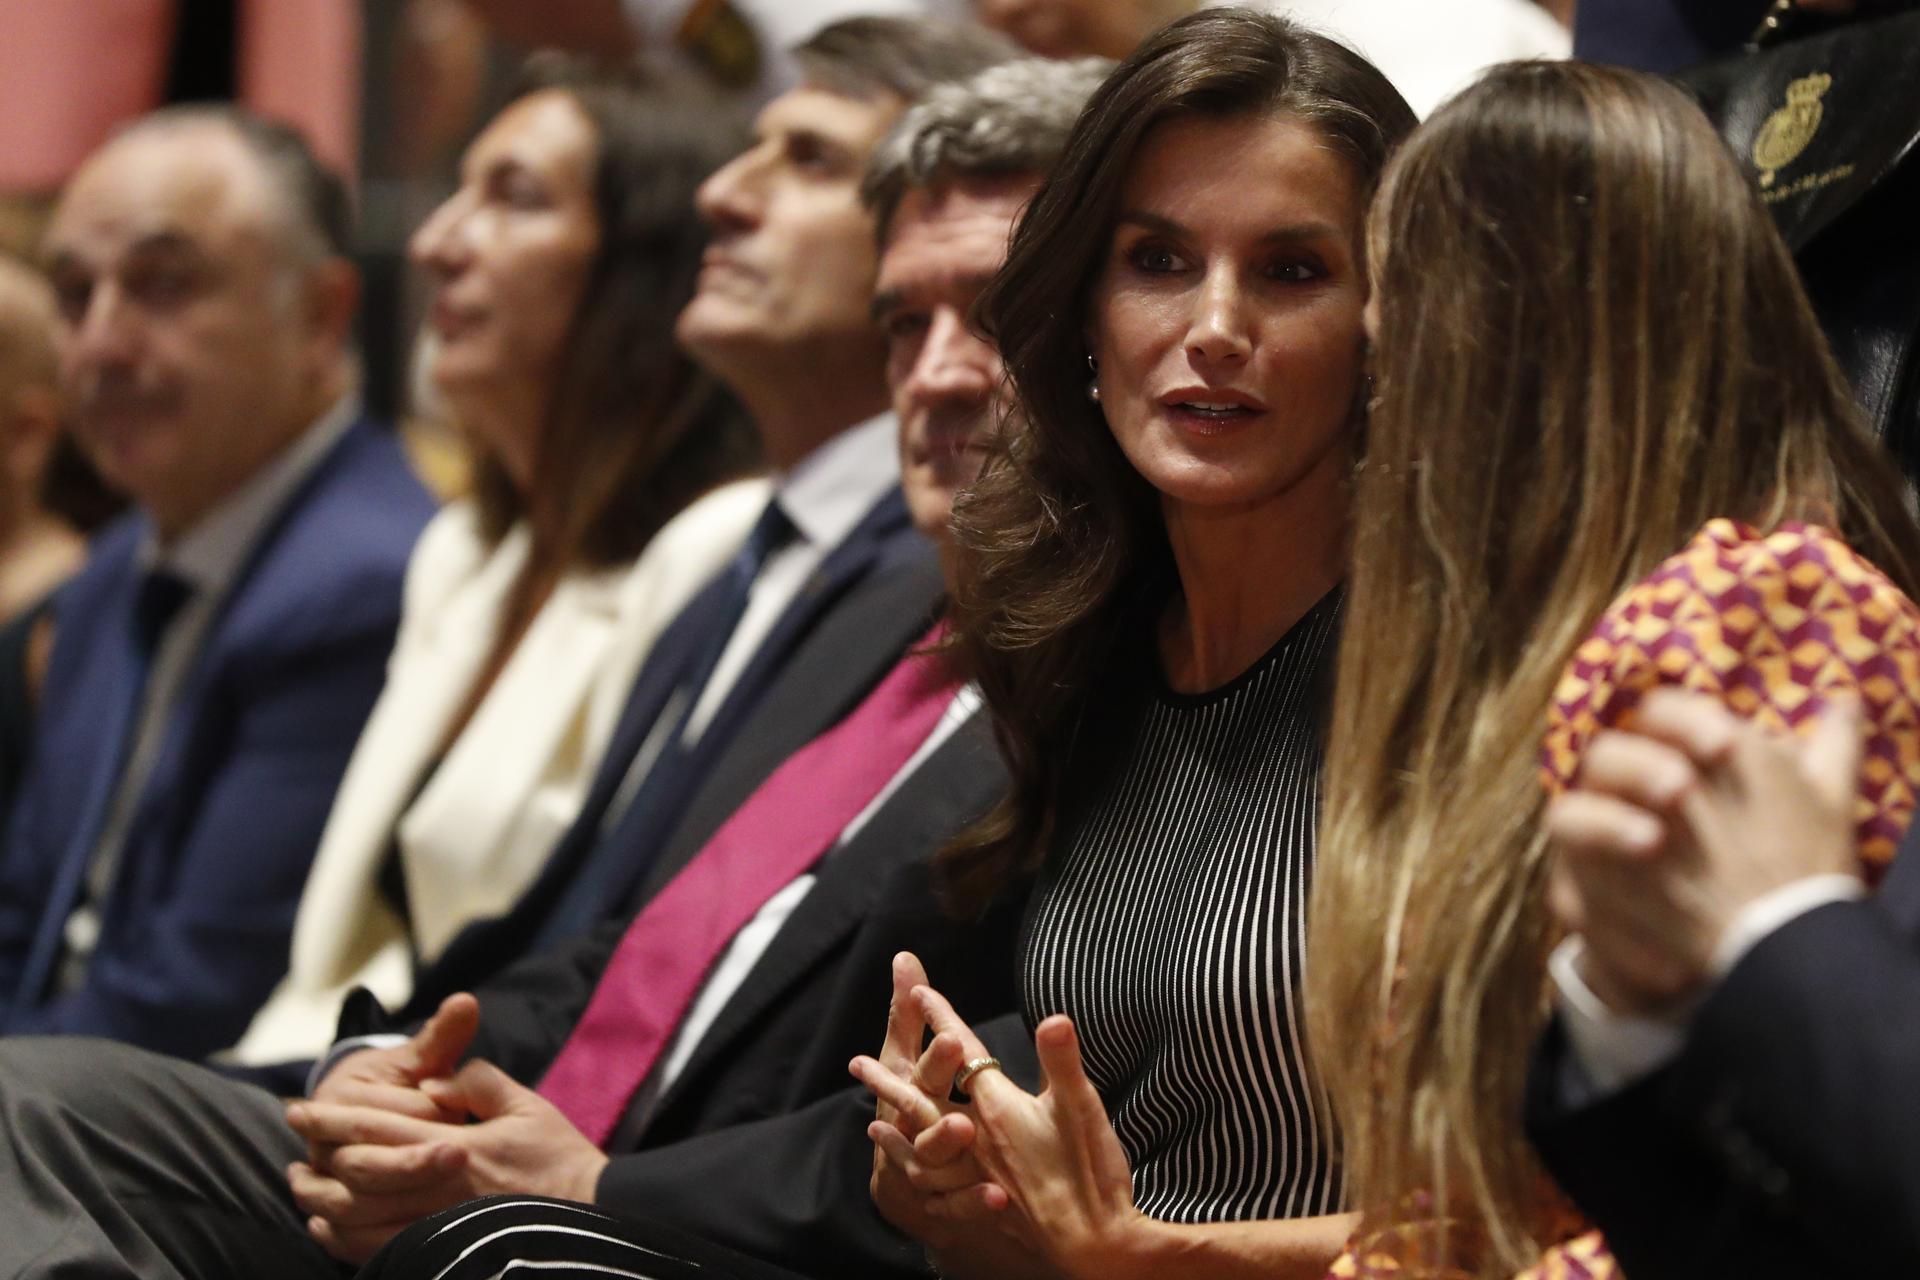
[{"x": 645, "y": 759}]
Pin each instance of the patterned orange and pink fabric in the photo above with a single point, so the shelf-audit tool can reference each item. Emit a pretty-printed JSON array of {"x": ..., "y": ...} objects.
[{"x": 1777, "y": 625}]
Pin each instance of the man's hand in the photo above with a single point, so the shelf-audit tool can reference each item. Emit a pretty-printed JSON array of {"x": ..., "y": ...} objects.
[
  {"x": 389, "y": 1170},
  {"x": 389, "y": 1079},
  {"x": 1678, "y": 826}
]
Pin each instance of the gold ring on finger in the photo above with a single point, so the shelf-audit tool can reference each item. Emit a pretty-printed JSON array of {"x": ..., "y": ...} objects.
[{"x": 973, "y": 1068}]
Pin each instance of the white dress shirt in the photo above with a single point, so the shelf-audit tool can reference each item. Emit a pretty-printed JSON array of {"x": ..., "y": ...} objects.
[
  {"x": 209, "y": 558},
  {"x": 825, "y": 494}
]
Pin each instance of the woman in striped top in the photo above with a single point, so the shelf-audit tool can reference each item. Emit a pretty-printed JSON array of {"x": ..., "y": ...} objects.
[{"x": 1149, "y": 600}]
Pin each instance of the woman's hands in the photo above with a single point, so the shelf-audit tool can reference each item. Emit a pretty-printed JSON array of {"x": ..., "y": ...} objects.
[{"x": 1010, "y": 1183}]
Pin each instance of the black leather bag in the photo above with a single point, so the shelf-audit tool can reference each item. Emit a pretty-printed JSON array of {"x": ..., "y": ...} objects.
[{"x": 1830, "y": 127}]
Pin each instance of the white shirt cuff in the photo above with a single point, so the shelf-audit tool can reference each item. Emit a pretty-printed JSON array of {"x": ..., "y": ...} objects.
[
  {"x": 347, "y": 1048},
  {"x": 1613, "y": 1050}
]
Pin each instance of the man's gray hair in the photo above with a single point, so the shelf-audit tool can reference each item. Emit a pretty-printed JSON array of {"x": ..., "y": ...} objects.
[{"x": 1009, "y": 119}]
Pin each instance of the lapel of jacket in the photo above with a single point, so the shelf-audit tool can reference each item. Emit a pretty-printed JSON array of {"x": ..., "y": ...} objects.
[
  {"x": 86, "y": 716},
  {"x": 242, "y": 617},
  {"x": 457, "y": 827},
  {"x": 950, "y": 787},
  {"x": 828, "y": 672},
  {"x": 842, "y": 568},
  {"x": 85, "y": 720}
]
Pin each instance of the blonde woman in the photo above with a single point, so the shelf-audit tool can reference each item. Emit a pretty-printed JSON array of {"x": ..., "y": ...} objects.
[{"x": 1590, "y": 343}]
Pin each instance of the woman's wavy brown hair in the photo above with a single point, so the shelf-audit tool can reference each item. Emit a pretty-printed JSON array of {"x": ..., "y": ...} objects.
[
  {"x": 1591, "y": 342},
  {"x": 634, "y": 430},
  {"x": 1063, "y": 553}
]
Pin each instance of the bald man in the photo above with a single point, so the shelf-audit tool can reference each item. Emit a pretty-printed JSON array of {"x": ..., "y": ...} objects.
[{"x": 217, "y": 655}]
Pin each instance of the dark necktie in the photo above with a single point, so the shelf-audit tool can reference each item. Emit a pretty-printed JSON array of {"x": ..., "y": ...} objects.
[
  {"x": 157, "y": 601},
  {"x": 646, "y": 756},
  {"x": 784, "y": 828}
]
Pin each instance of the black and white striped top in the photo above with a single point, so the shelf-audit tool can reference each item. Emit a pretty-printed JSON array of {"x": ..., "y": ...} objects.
[{"x": 1169, "y": 925}]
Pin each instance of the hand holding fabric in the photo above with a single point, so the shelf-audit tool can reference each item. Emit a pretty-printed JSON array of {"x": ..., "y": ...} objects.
[{"x": 1678, "y": 826}]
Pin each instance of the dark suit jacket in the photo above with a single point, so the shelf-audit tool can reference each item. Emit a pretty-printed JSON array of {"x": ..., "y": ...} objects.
[
  {"x": 1785, "y": 1139},
  {"x": 760, "y": 1142},
  {"x": 872, "y": 598},
  {"x": 195, "y": 927}
]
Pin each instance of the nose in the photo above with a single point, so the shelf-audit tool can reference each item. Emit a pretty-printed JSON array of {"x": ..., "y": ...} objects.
[
  {"x": 440, "y": 245},
  {"x": 1218, "y": 330},
  {"x": 107, "y": 333},
  {"x": 954, "y": 363},
  {"x": 731, "y": 197}
]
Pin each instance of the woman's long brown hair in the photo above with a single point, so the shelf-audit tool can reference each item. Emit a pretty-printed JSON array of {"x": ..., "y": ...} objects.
[
  {"x": 1064, "y": 554},
  {"x": 1591, "y": 342},
  {"x": 634, "y": 429}
]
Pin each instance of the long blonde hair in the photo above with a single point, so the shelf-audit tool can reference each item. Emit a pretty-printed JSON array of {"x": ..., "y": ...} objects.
[{"x": 1591, "y": 342}]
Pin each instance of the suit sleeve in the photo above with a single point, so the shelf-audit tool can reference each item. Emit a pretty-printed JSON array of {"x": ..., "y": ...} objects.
[
  {"x": 193, "y": 938},
  {"x": 790, "y": 1188},
  {"x": 1784, "y": 1140},
  {"x": 526, "y": 1012}
]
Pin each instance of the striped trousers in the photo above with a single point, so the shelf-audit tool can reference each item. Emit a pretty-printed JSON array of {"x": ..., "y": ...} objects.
[{"x": 527, "y": 1236}]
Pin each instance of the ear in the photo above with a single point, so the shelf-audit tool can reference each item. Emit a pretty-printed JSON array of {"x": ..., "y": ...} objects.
[{"x": 331, "y": 297}]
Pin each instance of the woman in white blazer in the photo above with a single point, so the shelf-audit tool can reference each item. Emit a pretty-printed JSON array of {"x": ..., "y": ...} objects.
[{"x": 608, "y": 489}]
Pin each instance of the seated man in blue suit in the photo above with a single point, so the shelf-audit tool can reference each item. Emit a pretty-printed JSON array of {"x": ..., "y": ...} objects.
[{"x": 218, "y": 653}]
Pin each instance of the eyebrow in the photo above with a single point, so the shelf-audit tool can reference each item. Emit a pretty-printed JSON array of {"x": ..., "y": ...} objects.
[
  {"x": 165, "y": 240},
  {"x": 1292, "y": 233},
  {"x": 889, "y": 300}
]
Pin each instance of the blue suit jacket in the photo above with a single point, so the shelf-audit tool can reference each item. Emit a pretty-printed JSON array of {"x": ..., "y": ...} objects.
[{"x": 194, "y": 931}]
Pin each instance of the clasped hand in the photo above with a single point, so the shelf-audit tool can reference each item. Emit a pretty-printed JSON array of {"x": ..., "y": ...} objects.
[
  {"x": 1008, "y": 1184},
  {"x": 1676, "y": 827},
  {"x": 394, "y": 1135}
]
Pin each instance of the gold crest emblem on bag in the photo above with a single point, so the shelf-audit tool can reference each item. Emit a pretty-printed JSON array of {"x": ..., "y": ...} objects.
[{"x": 1788, "y": 131}]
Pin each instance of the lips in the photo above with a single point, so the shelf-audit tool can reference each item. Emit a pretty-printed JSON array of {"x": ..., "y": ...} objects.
[
  {"x": 450, "y": 320},
  {"x": 721, "y": 263},
  {"x": 1211, "y": 410}
]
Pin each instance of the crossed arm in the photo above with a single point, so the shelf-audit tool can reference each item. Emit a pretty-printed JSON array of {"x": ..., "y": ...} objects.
[{"x": 1021, "y": 1185}]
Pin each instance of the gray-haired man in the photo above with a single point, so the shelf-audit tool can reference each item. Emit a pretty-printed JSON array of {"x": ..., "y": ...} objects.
[{"x": 946, "y": 187}]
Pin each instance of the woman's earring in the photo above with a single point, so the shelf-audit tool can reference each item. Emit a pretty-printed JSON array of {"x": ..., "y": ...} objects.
[{"x": 1093, "y": 388}]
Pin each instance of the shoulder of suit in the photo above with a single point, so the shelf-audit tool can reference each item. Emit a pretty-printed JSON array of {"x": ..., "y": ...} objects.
[
  {"x": 450, "y": 550},
  {"x": 691, "y": 547}
]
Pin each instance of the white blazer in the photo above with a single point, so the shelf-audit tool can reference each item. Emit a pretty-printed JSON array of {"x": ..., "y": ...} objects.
[{"x": 474, "y": 837}]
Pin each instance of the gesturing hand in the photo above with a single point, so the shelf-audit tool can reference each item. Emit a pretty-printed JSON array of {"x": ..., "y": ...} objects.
[
  {"x": 922, "y": 1142},
  {"x": 1041, "y": 1186},
  {"x": 1679, "y": 825}
]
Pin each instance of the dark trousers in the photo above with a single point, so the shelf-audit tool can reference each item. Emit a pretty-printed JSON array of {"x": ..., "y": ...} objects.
[{"x": 118, "y": 1162}]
